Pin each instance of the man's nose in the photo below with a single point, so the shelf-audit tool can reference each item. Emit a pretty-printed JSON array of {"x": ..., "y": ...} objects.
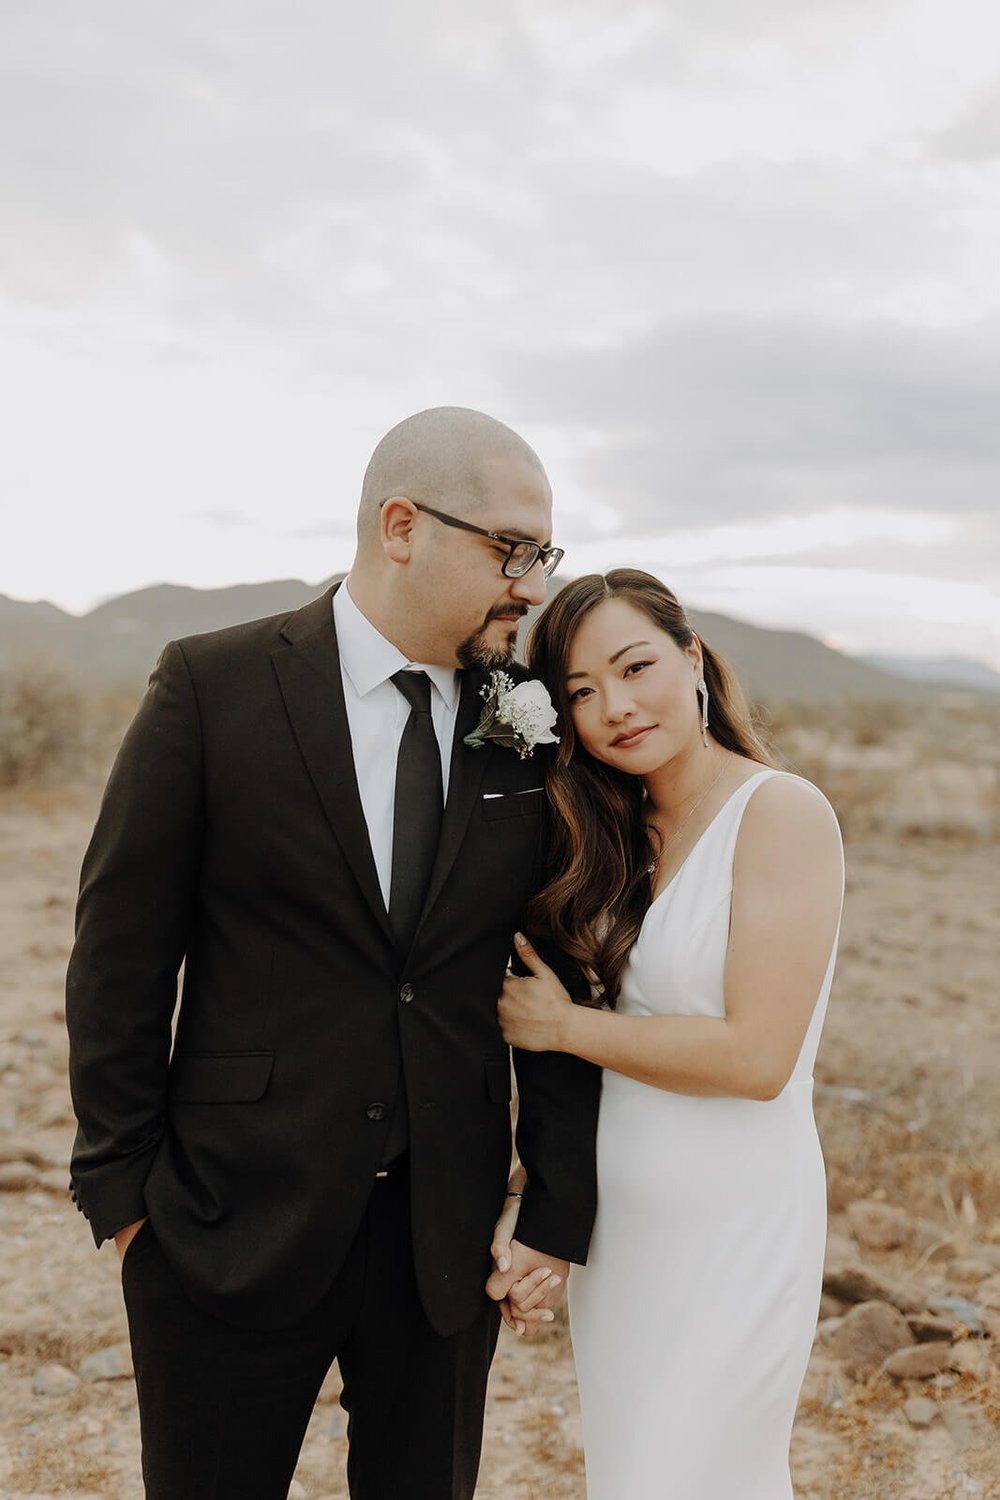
[{"x": 530, "y": 586}]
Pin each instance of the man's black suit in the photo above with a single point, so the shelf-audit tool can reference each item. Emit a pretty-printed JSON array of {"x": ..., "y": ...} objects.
[{"x": 232, "y": 838}]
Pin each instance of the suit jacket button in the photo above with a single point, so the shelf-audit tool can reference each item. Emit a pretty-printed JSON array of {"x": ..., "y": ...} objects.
[
  {"x": 407, "y": 993},
  {"x": 375, "y": 1111}
]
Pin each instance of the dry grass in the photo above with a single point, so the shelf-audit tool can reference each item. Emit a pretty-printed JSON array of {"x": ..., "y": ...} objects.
[
  {"x": 60, "y": 1471},
  {"x": 908, "y": 1078},
  {"x": 928, "y": 770},
  {"x": 53, "y": 730}
]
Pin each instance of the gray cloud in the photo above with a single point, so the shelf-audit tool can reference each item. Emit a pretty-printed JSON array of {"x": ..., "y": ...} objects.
[
  {"x": 712, "y": 419},
  {"x": 617, "y": 248},
  {"x": 975, "y": 136},
  {"x": 233, "y": 164},
  {"x": 404, "y": 204},
  {"x": 964, "y": 558},
  {"x": 219, "y": 140}
]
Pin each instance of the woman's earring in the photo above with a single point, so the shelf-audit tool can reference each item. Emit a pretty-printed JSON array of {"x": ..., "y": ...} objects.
[{"x": 703, "y": 695}]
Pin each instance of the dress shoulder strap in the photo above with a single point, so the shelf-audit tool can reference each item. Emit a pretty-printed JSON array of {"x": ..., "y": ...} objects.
[{"x": 737, "y": 804}]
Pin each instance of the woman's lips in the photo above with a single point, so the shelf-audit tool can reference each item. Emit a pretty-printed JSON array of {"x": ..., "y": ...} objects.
[{"x": 633, "y": 737}]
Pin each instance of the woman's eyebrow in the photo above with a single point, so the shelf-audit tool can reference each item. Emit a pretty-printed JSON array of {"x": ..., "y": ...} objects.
[{"x": 611, "y": 659}]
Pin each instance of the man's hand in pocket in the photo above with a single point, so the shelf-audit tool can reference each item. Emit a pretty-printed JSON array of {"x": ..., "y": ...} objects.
[{"x": 125, "y": 1236}]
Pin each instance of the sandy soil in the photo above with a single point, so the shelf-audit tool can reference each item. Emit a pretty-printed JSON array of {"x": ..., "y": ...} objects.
[{"x": 907, "y": 1088}]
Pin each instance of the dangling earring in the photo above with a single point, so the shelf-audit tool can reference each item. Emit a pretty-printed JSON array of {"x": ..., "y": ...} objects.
[{"x": 703, "y": 695}]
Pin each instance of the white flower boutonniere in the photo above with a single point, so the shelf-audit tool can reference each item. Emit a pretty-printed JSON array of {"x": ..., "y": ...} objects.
[{"x": 517, "y": 715}]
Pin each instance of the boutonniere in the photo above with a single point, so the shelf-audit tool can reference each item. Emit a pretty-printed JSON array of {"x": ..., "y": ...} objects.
[{"x": 518, "y": 715}]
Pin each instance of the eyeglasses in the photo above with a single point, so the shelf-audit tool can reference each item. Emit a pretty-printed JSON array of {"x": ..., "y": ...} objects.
[{"x": 522, "y": 553}]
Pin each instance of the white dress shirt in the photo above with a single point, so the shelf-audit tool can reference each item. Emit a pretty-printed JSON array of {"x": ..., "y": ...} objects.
[{"x": 376, "y": 716}]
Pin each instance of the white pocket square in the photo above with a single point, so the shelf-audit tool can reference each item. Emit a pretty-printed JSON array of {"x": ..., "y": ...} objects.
[{"x": 495, "y": 796}]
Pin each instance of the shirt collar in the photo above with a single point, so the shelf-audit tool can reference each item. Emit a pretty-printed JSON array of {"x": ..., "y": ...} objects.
[{"x": 369, "y": 659}]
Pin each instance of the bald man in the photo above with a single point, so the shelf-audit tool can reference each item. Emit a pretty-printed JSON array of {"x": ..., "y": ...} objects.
[{"x": 311, "y": 1171}]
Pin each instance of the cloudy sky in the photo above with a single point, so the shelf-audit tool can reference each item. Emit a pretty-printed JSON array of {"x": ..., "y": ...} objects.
[{"x": 730, "y": 265}]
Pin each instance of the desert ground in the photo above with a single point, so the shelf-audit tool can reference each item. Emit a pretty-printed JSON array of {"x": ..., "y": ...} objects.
[{"x": 902, "y": 1398}]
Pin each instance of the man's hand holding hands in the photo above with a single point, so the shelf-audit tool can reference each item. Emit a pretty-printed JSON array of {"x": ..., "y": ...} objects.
[{"x": 528, "y": 1290}]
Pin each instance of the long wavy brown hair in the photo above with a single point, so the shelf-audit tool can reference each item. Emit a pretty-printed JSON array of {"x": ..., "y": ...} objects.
[{"x": 598, "y": 890}]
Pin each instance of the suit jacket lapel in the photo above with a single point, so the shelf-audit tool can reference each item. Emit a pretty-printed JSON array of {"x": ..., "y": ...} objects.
[{"x": 318, "y": 716}]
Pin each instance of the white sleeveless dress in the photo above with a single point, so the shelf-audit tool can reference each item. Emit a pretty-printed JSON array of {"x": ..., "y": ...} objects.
[{"x": 693, "y": 1320}]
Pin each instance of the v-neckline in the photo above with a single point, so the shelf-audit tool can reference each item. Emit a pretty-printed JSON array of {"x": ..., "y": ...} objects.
[{"x": 769, "y": 770}]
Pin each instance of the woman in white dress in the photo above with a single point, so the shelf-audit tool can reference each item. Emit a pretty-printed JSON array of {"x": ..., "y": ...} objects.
[{"x": 702, "y": 889}]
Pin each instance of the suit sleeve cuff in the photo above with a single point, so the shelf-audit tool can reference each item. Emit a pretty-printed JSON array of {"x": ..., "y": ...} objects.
[
  {"x": 542, "y": 1225},
  {"x": 111, "y": 1198}
]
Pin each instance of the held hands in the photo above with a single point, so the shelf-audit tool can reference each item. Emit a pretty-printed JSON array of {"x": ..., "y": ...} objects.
[
  {"x": 527, "y": 1284},
  {"x": 533, "y": 1011}
]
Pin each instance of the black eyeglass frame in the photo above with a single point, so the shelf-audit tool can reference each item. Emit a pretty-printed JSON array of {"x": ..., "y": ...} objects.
[{"x": 549, "y": 557}]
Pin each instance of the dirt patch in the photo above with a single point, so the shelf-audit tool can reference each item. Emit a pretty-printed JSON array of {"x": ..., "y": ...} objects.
[{"x": 908, "y": 1080}]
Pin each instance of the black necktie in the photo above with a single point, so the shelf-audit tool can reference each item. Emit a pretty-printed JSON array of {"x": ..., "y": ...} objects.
[{"x": 416, "y": 822}]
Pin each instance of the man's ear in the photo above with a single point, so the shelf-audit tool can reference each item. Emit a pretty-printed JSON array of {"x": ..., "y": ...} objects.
[{"x": 396, "y": 518}]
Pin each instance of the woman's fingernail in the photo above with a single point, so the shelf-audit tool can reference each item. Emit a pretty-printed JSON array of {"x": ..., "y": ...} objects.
[
  {"x": 520, "y": 939},
  {"x": 503, "y": 1264},
  {"x": 548, "y": 1317},
  {"x": 554, "y": 1280}
]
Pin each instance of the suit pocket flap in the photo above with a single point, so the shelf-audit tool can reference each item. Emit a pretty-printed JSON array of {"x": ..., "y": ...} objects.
[
  {"x": 220, "y": 1077},
  {"x": 514, "y": 804},
  {"x": 498, "y": 1079}
]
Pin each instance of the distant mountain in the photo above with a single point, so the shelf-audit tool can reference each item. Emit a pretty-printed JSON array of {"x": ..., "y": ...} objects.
[
  {"x": 788, "y": 666},
  {"x": 35, "y": 630},
  {"x": 41, "y": 611},
  {"x": 168, "y": 609},
  {"x": 117, "y": 643},
  {"x": 947, "y": 671}
]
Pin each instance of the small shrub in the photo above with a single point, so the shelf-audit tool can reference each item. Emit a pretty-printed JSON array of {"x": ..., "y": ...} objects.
[
  {"x": 41, "y": 724},
  {"x": 52, "y": 728},
  {"x": 915, "y": 770}
]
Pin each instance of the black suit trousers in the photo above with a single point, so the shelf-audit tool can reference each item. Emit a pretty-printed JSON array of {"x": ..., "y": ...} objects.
[{"x": 223, "y": 1410}]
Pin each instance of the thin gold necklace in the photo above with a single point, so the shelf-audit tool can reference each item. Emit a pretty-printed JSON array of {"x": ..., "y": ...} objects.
[{"x": 668, "y": 843}]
